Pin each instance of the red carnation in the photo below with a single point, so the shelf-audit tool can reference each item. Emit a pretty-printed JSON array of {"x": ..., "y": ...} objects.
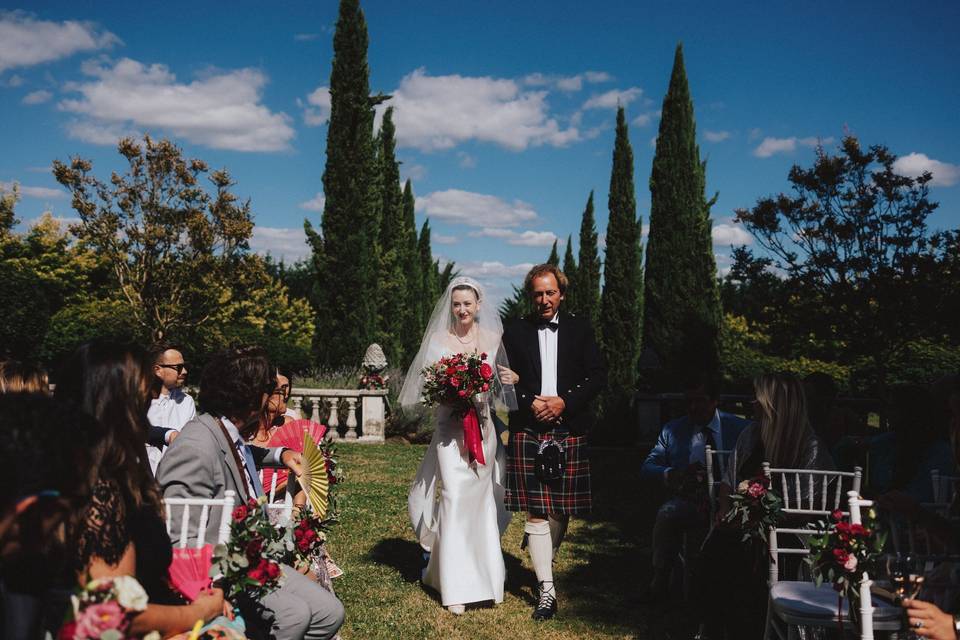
[{"x": 837, "y": 515}]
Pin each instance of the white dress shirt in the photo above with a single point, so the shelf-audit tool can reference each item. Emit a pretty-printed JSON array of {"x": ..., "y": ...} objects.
[
  {"x": 548, "y": 358},
  {"x": 171, "y": 410},
  {"x": 239, "y": 445},
  {"x": 698, "y": 442}
]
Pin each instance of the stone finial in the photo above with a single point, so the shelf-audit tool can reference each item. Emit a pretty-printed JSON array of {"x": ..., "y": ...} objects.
[{"x": 374, "y": 360}]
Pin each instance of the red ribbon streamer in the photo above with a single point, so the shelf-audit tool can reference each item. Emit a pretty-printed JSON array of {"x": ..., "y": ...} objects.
[{"x": 471, "y": 435}]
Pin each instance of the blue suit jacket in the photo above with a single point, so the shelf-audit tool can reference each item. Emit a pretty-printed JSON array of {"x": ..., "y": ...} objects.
[{"x": 673, "y": 445}]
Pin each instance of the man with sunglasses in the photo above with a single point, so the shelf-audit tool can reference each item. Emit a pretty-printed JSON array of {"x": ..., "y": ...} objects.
[{"x": 171, "y": 407}]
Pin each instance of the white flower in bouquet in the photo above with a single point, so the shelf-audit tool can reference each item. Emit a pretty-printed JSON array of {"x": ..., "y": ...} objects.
[{"x": 130, "y": 594}]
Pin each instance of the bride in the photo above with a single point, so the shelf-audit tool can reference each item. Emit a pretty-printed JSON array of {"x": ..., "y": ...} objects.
[{"x": 456, "y": 506}]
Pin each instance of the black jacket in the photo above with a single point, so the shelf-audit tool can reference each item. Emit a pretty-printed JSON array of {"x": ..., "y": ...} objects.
[{"x": 581, "y": 371}]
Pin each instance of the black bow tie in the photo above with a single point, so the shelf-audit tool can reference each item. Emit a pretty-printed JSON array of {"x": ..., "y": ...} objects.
[{"x": 548, "y": 324}]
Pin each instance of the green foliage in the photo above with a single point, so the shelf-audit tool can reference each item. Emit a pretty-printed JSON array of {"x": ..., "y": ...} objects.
[
  {"x": 85, "y": 320},
  {"x": 554, "y": 257},
  {"x": 346, "y": 253},
  {"x": 570, "y": 270},
  {"x": 429, "y": 272},
  {"x": 865, "y": 278},
  {"x": 300, "y": 277},
  {"x": 588, "y": 270},
  {"x": 620, "y": 320},
  {"x": 168, "y": 241},
  {"x": 682, "y": 306},
  {"x": 415, "y": 321},
  {"x": 8, "y": 202}
]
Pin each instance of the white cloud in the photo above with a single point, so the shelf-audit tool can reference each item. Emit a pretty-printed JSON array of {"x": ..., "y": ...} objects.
[
  {"x": 98, "y": 132},
  {"x": 725, "y": 235},
  {"x": 566, "y": 83},
  {"x": 646, "y": 118},
  {"x": 523, "y": 239},
  {"x": 573, "y": 83},
  {"x": 315, "y": 203},
  {"x": 475, "y": 209},
  {"x": 440, "y": 112},
  {"x": 316, "y": 110},
  {"x": 465, "y": 160},
  {"x": 37, "y": 97},
  {"x": 43, "y": 193},
  {"x": 289, "y": 244},
  {"x": 495, "y": 269},
  {"x": 716, "y": 136},
  {"x": 613, "y": 98},
  {"x": 26, "y": 41},
  {"x": 944, "y": 173},
  {"x": 14, "y": 81},
  {"x": 771, "y": 146},
  {"x": 439, "y": 238},
  {"x": 413, "y": 171},
  {"x": 595, "y": 77},
  {"x": 220, "y": 109}
]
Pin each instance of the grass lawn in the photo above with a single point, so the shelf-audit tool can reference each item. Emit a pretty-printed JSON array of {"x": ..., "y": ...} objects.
[{"x": 599, "y": 571}]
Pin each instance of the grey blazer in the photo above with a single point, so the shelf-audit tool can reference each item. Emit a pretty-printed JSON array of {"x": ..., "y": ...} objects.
[{"x": 200, "y": 464}]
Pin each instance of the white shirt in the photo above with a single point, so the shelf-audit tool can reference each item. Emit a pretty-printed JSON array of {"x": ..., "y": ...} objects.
[
  {"x": 171, "y": 411},
  {"x": 240, "y": 446},
  {"x": 698, "y": 442},
  {"x": 548, "y": 358}
]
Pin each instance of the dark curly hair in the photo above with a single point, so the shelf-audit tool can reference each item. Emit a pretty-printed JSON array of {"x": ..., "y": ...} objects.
[
  {"x": 110, "y": 382},
  {"x": 234, "y": 382}
]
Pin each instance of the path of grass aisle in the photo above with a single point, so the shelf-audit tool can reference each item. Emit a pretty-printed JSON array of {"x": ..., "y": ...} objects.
[{"x": 599, "y": 569}]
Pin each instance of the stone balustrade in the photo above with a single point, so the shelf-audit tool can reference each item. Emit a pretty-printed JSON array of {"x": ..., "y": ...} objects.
[{"x": 372, "y": 405}]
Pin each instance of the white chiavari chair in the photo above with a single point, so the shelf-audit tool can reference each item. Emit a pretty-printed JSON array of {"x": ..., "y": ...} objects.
[
  {"x": 715, "y": 459},
  {"x": 206, "y": 506}
]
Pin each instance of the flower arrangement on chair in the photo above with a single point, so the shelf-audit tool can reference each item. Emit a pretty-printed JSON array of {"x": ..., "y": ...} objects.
[
  {"x": 247, "y": 565},
  {"x": 842, "y": 552},
  {"x": 755, "y": 508}
]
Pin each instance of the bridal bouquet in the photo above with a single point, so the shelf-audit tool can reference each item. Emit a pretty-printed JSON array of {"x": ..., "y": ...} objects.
[
  {"x": 842, "y": 552},
  {"x": 456, "y": 380},
  {"x": 755, "y": 508},
  {"x": 246, "y": 565},
  {"x": 103, "y": 609}
]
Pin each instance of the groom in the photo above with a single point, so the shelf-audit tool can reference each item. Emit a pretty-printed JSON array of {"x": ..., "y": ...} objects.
[{"x": 560, "y": 371}]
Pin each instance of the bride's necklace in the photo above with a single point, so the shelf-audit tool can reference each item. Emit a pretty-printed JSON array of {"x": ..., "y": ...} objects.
[{"x": 470, "y": 339}]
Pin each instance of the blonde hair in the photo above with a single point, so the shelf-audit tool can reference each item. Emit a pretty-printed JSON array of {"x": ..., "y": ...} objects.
[
  {"x": 17, "y": 377},
  {"x": 784, "y": 426}
]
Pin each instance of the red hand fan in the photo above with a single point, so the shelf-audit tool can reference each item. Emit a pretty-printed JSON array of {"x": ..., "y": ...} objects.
[
  {"x": 190, "y": 570},
  {"x": 290, "y": 436}
]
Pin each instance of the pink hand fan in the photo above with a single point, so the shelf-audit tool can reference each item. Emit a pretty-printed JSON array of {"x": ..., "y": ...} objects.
[
  {"x": 290, "y": 435},
  {"x": 190, "y": 570}
]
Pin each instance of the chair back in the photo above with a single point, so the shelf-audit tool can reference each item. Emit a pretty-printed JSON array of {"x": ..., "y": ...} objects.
[
  {"x": 205, "y": 505},
  {"x": 944, "y": 486},
  {"x": 855, "y": 504},
  {"x": 280, "y": 514},
  {"x": 909, "y": 536},
  {"x": 813, "y": 492},
  {"x": 715, "y": 459},
  {"x": 271, "y": 490}
]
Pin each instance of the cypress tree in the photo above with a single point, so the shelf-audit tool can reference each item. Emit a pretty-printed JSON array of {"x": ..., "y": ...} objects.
[
  {"x": 682, "y": 303},
  {"x": 619, "y": 320},
  {"x": 392, "y": 293},
  {"x": 554, "y": 257},
  {"x": 348, "y": 260},
  {"x": 588, "y": 269},
  {"x": 570, "y": 270},
  {"x": 428, "y": 269},
  {"x": 415, "y": 323}
]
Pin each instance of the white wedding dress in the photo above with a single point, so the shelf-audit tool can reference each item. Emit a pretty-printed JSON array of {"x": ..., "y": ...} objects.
[{"x": 457, "y": 509}]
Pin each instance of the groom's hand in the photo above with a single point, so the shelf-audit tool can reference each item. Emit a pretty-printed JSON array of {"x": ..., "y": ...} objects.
[{"x": 547, "y": 408}]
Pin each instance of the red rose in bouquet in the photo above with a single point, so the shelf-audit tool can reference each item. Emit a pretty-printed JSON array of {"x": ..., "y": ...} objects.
[{"x": 247, "y": 565}]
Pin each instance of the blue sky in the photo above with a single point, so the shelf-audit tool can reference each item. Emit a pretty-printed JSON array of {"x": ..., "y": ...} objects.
[{"x": 505, "y": 110}]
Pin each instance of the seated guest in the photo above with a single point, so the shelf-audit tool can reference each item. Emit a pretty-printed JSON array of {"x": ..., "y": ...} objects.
[
  {"x": 171, "y": 407},
  {"x": 210, "y": 457},
  {"x": 275, "y": 413},
  {"x": 902, "y": 458},
  {"x": 19, "y": 377},
  {"x": 679, "y": 459},
  {"x": 122, "y": 531},
  {"x": 927, "y": 620},
  {"x": 44, "y": 463},
  {"x": 781, "y": 435}
]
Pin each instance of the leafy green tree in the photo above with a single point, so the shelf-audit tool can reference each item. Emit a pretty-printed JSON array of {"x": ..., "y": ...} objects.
[
  {"x": 428, "y": 269},
  {"x": 415, "y": 322},
  {"x": 346, "y": 253},
  {"x": 570, "y": 270},
  {"x": 394, "y": 303},
  {"x": 588, "y": 269},
  {"x": 170, "y": 243},
  {"x": 300, "y": 278},
  {"x": 681, "y": 301},
  {"x": 620, "y": 320},
  {"x": 516, "y": 306},
  {"x": 865, "y": 274}
]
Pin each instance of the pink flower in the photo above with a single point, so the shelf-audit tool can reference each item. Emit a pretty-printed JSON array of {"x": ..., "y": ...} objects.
[
  {"x": 851, "y": 563},
  {"x": 837, "y": 515},
  {"x": 756, "y": 490},
  {"x": 97, "y": 618},
  {"x": 462, "y": 393}
]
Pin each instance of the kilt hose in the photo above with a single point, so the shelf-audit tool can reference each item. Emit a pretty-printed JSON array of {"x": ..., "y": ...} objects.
[{"x": 570, "y": 495}]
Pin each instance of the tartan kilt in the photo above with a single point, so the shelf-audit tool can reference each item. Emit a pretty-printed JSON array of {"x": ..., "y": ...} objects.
[{"x": 570, "y": 495}]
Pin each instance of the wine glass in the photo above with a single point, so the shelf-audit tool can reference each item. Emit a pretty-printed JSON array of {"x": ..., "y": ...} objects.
[
  {"x": 913, "y": 566},
  {"x": 898, "y": 569}
]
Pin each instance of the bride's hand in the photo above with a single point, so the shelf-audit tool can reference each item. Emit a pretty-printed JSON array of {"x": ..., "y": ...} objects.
[{"x": 508, "y": 376}]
